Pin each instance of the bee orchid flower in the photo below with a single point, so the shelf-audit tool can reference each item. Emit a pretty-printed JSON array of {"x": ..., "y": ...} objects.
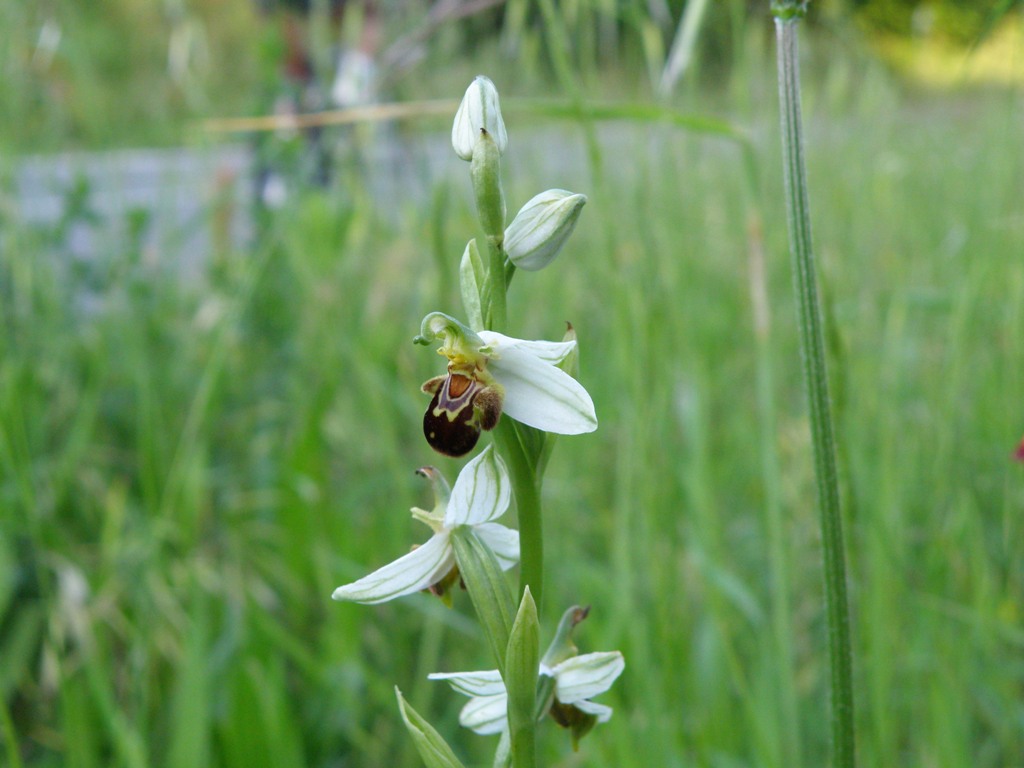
[
  {"x": 490, "y": 374},
  {"x": 481, "y": 494},
  {"x": 575, "y": 681},
  {"x": 566, "y": 684}
]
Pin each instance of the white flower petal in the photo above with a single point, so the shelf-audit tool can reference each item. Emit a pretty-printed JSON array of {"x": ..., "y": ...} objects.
[
  {"x": 603, "y": 713},
  {"x": 485, "y": 714},
  {"x": 481, "y": 493},
  {"x": 473, "y": 684},
  {"x": 424, "y": 566},
  {"x": 540, "y": 395},
  {"x": 582, "y": 677},
  {"x": 463, "y": 133},
  {"x": 552, "y": 352},
  {"x": 503, "y": 542}
]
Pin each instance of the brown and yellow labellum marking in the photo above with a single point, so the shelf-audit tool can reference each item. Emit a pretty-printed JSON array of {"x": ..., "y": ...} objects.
[{"x": 460, "y": 408}]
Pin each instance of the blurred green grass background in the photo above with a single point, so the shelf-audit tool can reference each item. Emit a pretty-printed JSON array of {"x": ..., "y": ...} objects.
[{"x": 188, "y": 468}]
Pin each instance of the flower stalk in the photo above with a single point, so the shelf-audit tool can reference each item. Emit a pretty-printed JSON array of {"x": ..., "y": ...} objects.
[
  {"x": 525, "y": 488},
  {"x": 787, "y": 15}
]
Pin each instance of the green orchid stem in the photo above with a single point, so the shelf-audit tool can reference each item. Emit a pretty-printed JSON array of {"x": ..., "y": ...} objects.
[
  {"x": 497, "y": 312},
  {"x": 816, "y": 380},
  {"x": 524, "y": 746},
  {"x": 526, "y": 489}
]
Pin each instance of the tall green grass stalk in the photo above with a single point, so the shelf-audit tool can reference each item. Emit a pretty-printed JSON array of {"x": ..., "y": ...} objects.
[{"x": 812, "y": 347}]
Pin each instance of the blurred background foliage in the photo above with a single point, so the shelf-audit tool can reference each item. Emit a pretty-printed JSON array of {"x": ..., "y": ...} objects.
[
  {"x": 135, "y": 71},
  {"x": 191, "y": 459}
]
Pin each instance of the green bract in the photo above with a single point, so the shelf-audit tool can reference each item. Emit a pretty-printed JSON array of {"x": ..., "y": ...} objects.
[
  {"x": 472, "y": 280},
  {"x": 522, "y": 659},
  {"x": 429, "y": 743},
  {"x": 485, "y": 175}
]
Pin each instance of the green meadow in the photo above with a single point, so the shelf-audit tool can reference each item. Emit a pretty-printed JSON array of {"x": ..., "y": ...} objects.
[{"x": 189, "y": 467}]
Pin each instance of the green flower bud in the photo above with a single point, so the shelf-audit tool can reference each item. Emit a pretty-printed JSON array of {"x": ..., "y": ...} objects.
[
  {"x": 540, "y": 228},
  {"x": 479, "y": 111}
]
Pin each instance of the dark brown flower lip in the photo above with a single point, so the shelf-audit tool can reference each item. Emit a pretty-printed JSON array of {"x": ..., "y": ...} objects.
[
  {"x": 451, "y": 438},
  {"x": 460, "y": 408}
]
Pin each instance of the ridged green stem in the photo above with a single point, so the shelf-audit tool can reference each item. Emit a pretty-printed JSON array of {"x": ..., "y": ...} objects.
[
  {"x": 497, "y": 312},
  {"x": 816, "y": 380},
  {"x": 526, "y": 489}
]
